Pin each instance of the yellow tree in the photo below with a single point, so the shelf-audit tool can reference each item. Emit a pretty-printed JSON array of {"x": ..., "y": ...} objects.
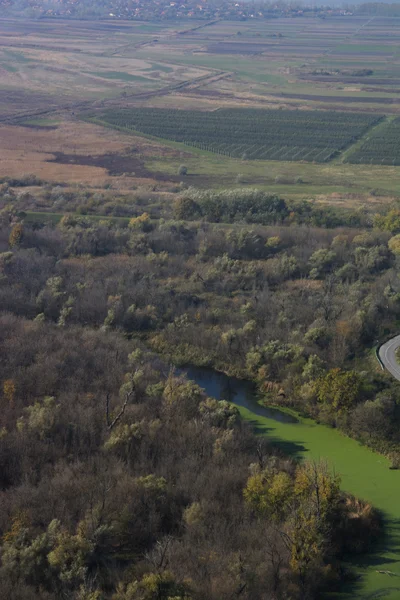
[
  {"x": 317, "y": 495},
  {"x": 269, "y": 493},
  {"x": 339, "y": 389},
  {"x": 394, "y": 244},
  {"x": 305, "y": 543},
  {"x": 316, "y": 486},
  {"x": 16, "y": 235},
  {"x": 142, "y": 222},
  {"x": 9, "y": 391}
]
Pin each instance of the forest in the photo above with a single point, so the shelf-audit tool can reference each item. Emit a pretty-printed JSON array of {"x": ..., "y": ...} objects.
[{"x": 122, "y": 480}]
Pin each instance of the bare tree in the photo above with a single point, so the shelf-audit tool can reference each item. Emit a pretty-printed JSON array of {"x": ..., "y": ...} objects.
[{"x": 112, "y": 422}]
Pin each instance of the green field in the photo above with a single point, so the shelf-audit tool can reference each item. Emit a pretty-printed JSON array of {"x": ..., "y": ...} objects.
[
  {"x": 120, "y": 76},
  {"x": 251, "y": 134},
  {"x": 382, "y": 147},
  {"x": 41, "y": 122},
  {"x": 159, "y": 67}
]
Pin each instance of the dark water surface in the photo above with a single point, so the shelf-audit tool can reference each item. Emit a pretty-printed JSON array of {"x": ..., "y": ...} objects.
[{"x": 240, "y": 392}]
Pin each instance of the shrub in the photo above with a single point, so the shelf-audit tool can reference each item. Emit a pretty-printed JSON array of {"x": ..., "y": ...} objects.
[{"x": 182, "y": 170}]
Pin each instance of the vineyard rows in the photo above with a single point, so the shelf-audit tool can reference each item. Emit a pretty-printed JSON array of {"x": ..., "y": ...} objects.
[
  {"x": 382, "y": 147},
  {"x": 250, "y": 133}
]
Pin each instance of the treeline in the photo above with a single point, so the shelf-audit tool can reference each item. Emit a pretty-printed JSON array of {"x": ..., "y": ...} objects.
[
  {"x": 256, "y": 206},
  {"x": 176, "y": 201}
]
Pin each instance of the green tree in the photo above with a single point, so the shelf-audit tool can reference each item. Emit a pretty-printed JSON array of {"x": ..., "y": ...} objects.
[
  {"x": 142, "y": 223},
  {"x": 70, "y": 556},
  {"x": 186, "y": 208},
  {"x": 321, "y": 262},
  {"x": 40, "y": 418}
]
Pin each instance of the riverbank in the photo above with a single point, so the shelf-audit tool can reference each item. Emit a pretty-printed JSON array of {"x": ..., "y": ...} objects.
[{"x": 363, "y": 473}]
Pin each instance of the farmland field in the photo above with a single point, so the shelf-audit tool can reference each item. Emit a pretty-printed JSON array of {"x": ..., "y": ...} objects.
[
  {"x": 315, "y": 72},
  {"x": 252, "y": 134},
  {"x": 382, "y": 147}
]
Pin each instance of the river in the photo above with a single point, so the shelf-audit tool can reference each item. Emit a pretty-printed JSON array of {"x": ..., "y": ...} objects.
[{"x": 363, "y": 473}]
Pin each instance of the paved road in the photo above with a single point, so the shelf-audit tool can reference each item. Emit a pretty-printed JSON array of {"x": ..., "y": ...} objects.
[{"x": 387, "y": 354}]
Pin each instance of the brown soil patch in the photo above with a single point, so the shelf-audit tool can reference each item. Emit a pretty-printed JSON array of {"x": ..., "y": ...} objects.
[
  {"x": 115, "y": 164},
  {"x": 77, "y": 152}
]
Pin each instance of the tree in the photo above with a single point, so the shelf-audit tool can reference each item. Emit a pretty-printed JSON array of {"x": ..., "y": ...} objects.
[
  {"x": 318, "y": 488},
  {"x": 313, "y": 368},
  {"x": 40, "y": 418},
  {"x": 269, "y": 493},
  {"x": 321, "y": 262},
  {"x": 389, "y": 222},
  {"x": 394, "y": 245},
  {"x": 9, "y": 391},
  {"x": 317, "y": 494},
  {"x": 16, "y": 235},
  {"x": 70, "y": 555},
  {"x": 339, "y": 389},
  {"x": 305, "y": 544},
  {"x": 153, "y": 586},
  {"x": 142, "y": 222},
  {"x": 186, "y": 208}
]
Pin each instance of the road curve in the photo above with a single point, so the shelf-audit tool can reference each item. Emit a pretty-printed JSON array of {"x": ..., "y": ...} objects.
[{"x": 387, "y": 354}]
